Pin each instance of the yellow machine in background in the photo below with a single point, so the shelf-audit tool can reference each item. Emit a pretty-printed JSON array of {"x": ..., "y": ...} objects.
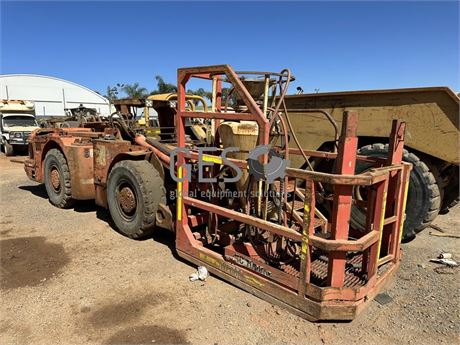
[
  {"x": 165, "y": 103},
  {"x": 159, "y": 100}
]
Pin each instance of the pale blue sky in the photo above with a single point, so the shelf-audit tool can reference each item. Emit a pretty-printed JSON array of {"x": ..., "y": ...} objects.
[{"x": 328, "y": 45}]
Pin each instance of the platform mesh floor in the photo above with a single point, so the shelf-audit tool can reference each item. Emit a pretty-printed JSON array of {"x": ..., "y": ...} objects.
[{"x": 353, "y": 275}]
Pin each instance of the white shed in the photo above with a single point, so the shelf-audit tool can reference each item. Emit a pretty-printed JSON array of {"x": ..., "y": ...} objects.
[{"x": 50, "y": 95}]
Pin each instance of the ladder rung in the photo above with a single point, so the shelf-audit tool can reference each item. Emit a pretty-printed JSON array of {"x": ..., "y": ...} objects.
[
  {"x": 389, "y": 220},
  {"x": 386, "y": 259}
]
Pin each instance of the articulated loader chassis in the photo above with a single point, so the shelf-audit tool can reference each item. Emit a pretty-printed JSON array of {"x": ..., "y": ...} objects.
[{"x": 287, "y": 239}]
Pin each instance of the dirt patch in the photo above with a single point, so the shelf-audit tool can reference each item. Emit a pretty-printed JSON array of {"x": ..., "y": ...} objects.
[
  {"x": 19, "y": 334},
  {"x": 29, "y": 261},
  {"x": 106, "y": 273},
  {"x": 148, "y": 335},
  {"x": 124, "y": 312},
  {"x": 5, "y": 232}
]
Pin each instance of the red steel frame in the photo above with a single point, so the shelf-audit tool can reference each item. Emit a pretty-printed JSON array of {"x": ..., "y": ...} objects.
[{"x": 378, "y": 249}]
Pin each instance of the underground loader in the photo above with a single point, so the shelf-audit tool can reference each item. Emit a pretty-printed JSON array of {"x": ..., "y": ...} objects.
[{"x": 231, "y": 198}]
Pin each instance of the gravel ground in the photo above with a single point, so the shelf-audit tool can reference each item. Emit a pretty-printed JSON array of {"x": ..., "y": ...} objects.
[{"x": 68, "y": 278}]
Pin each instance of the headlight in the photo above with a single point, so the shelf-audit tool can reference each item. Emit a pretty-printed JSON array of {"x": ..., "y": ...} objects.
[{"x": 16, "y": 135}]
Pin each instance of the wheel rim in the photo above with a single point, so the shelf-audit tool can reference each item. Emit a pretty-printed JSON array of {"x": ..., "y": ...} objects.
[
  {"x": 55, "y": 179},
  {"x": 126, "y": 200}
]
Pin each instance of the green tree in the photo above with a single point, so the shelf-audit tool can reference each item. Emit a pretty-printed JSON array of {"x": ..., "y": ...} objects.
[
  {"x": 163, "y": 87},
  {"x": 201, "y": 92},
  {"x": 112, "y": 91},
  {"x": 134, "y": 90}
]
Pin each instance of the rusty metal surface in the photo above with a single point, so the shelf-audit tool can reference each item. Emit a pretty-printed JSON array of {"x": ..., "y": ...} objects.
[
  {"x": 353, "y": 276},
  {"x": 109, "y": 152},
  {"x": 127, "y": 200},
  {"x": 314, "y": 264},
  {"x": 55, "y": 179},
  {"x": 75, "y": 144},
  {"x": 345, "y": 271},
  {"x": 88, "y": 156}
]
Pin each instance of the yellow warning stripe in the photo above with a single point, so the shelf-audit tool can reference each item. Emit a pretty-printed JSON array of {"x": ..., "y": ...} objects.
[
  {"x": 253, "y": 281},
  {"x": 401, "y": 225},
  {"x": 179, "y": 194},
  {"x": 212, "y": 159},
  {"x": 306, "y": 208},
  {"x": 304, "y": 244},
  {"x": 382, "y": 220}
]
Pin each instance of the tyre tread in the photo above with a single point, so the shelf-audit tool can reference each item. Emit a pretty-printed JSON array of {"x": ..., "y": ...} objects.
[
  {"x": 66, "y": 201},
  {"x": 149, "y": 181},
  {"x": 434, "y": 197}
]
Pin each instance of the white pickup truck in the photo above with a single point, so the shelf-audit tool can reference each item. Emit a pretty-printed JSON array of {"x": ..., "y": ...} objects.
[{"x": 17, "y": 121}]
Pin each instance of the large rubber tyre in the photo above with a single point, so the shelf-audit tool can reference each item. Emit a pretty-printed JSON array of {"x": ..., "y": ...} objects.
[
  {"x": 9, "y": 149},
  {"x": 450, "y": 197},
  {"x": 134, "y": 191},
  {"x": 423, "y": 199},
  {"x": 57, "y": 179}
]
